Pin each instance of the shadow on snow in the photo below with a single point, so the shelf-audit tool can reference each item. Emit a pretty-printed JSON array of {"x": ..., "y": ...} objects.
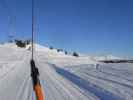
[{"x": 87, "y": 86}]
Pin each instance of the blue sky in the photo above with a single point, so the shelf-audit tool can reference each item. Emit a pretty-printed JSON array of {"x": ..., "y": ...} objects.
[{"x": 94, "y": 27}]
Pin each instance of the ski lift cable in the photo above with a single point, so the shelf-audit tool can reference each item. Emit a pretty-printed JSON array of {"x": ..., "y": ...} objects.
[
  {"x": 32, "y": 29},
  {"x": 34, "y": 70}
]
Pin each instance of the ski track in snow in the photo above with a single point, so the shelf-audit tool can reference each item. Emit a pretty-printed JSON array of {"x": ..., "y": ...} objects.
[{"x": 60, "y": 82}]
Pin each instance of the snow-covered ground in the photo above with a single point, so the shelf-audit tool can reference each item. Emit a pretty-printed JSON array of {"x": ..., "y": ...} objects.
[{"x": 63, "y": 77}]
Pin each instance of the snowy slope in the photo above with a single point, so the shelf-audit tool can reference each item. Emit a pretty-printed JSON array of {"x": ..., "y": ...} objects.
[
  {"x": 107, "y": 57},
  {"x": 63, "y": 77}
]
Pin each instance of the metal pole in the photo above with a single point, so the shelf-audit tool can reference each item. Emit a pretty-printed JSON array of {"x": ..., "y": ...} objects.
[
  {"x": 32, "y": 29},
  {"x": 34, "y": 69}
]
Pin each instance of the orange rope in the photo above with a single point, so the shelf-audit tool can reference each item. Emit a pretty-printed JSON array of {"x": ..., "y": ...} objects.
[{"x": 38, "y": 92}]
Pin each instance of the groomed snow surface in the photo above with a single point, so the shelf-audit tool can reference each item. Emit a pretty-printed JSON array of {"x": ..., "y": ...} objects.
[{"x": 62, "y": 77}]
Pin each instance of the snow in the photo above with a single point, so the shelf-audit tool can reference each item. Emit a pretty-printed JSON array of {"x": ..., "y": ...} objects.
[
  {"x": 63, "y": 77},
  {"x": 107, "y": 57}
]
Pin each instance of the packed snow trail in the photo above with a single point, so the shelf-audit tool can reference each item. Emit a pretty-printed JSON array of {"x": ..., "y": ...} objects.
[
  {"x": 62, "y": 77},
  {"x": 56, "y": 87},
  {"x": 15, "y": 84}
]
